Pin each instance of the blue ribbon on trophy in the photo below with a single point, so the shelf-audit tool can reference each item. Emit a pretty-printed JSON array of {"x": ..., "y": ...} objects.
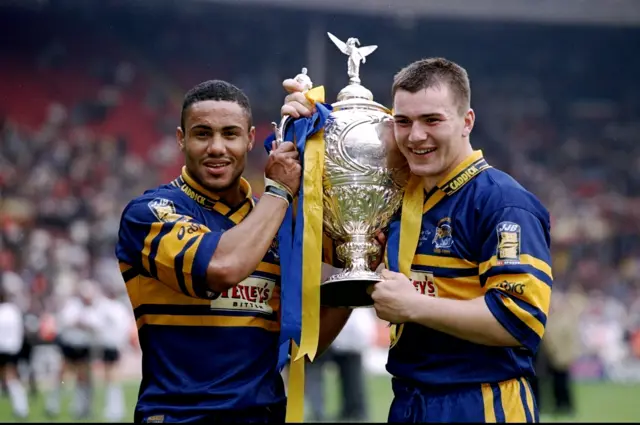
[
  {"x": 291, "y": 234},
  {"x": 300, "y": 244}
]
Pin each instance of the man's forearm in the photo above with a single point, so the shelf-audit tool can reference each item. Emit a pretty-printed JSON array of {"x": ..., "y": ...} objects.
[
  {"x": 332, "y": 320},
  {"x": 241, "y": 248},
  {"x": 470, "y": 320}
]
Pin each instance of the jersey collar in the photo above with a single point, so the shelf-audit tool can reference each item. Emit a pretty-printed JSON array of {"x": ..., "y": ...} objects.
[
  {"x": 211, "y": 201},
  {"x": 466, "y": 171}
]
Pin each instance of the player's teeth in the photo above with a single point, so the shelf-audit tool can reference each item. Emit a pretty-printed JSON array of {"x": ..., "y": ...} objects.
[{"x": 423, "y": 151}]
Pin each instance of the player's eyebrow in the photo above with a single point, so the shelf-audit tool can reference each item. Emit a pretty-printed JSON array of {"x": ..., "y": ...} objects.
[
  {"x": 423, "y": 116},
  {"x": 209, "y": 128},
  {"x": 200, "y": 127},
  {"x": 231, "y": 127},
  {"x": 432, "y": 115}
]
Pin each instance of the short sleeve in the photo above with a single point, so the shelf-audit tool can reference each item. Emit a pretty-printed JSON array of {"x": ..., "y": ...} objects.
[
  {"x": 159, "y": 238},
  {"x": 515, "y": 271}
]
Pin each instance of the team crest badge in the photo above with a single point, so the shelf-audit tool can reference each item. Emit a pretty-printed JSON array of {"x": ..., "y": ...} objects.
[
  {"x": 163, "y": 209},
  {"x": 443, "y": 239}
]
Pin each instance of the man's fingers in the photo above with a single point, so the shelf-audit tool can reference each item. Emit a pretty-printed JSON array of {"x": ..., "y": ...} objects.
[
  {"x": 388, "y": 274},
  {"x": 381, "y": 238},
  {"x": 289, "y": 154},
  {"x": 299, "y": 98},
  {"x": 288, "y": 110},
  {"x": 286, "y": 147},
  {"x": 296, "y": 110},
  {"x": 291, "y": 85},
  {"x": 371, "y": 288},
  {"x": 302, "y": 109},
  {"x": 296, "y": 104},
  {"x": 287, "y": 150}
]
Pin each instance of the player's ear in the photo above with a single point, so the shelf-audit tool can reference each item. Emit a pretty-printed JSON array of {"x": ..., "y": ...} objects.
[
  {"x": 252, "y": 138},
  {"x": 180, "y": 138},
  {"x": 469, "y": 121}
]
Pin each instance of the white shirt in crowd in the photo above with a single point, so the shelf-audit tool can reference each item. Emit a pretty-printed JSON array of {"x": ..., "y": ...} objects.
[
  {"x": 11, "y": 329},
  {"x": 114, "y": 323},
  {"x": 359, "y": 334},
  {"x": 77, "y": 323}
]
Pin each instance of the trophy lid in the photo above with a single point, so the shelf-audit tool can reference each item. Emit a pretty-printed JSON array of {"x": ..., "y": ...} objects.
[{"x": 355, "y": 91}]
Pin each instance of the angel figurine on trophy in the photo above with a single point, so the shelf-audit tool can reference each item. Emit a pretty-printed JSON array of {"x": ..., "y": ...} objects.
[{"x": 356, "y": 55}]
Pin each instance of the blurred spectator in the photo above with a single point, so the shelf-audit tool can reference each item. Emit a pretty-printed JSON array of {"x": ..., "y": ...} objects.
[
  {"x": 561, "y": 345},
  {"x": 12, "y": 331}
]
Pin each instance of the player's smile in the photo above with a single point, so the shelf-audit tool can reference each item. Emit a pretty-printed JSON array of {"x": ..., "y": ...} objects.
[
  {"x": 217, "y": 167},
  {"x": 423, "y": 153}
]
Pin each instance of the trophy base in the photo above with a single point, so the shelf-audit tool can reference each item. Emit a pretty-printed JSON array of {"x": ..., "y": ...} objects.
[{"x": 348, "y": 290}]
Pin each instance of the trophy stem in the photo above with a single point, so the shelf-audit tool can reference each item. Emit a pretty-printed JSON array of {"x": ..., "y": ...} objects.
[
  {"x": 349, "y": 287},
  {"x": 356, "y": 254}
]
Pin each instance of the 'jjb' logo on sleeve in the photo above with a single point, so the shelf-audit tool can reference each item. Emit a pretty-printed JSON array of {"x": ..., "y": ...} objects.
[
  {"x": 163, "y": 209},
  {"x": 508, "y": 250}
]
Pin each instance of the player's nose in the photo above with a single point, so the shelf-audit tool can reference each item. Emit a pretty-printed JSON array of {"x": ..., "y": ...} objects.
[
  {"x": 216, "y": 146},
  {"x": 418, "y": 133}
]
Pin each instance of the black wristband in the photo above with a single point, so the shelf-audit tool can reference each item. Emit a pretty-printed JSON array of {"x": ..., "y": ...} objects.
[{"x": 279, "y": 192}]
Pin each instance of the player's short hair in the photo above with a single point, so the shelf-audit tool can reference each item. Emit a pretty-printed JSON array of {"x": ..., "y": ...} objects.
[
  {"x": 215, "y": 90},
  {"x": 431, "y": 72}
]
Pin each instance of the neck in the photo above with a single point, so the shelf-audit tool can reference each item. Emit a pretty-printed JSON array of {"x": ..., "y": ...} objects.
[
  {"x": 233, "y": 195},
  {"x": 429, "y": 182}
]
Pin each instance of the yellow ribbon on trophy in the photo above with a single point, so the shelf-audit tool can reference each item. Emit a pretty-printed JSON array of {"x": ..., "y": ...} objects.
[
  {"x": 410, "y": 225},
  {"x": 311, "y": 268}
]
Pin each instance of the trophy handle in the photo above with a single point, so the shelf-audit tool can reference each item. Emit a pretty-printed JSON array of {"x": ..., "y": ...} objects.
[{"x": 279, "y": 129}]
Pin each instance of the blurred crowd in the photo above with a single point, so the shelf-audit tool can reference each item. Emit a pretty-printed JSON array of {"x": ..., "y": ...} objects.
[{"x": 87, "y": 123}]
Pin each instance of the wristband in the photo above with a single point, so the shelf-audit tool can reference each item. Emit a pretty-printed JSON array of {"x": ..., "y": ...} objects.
[
  {"x": 278, "y": 193},
  {"x": 268, "y": 182}
]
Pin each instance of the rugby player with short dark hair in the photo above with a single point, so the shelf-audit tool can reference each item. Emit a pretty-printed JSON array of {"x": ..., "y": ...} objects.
[{"x": 203, "y": 274}]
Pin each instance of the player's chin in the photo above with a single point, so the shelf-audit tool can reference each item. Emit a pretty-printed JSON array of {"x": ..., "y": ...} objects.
[
  {"x": 216, "y": 183},
  {"x": 425, "y": 170}
]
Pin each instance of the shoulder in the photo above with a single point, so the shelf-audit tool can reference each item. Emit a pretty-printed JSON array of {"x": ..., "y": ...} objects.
[
  {"x": 497, "y": 190},
  {"x": 157, "y": 204}
]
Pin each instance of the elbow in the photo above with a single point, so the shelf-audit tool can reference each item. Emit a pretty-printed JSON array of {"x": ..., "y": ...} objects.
[
  {"x": 223, "y": 275},
  {"x": 502, "y": 338}
]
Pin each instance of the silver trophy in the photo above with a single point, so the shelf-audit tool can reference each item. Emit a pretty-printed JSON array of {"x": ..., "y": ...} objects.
[{"x": 361, "y": 192}]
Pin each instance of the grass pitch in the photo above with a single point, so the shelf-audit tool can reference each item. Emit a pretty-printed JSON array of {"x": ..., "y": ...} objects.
[{"x": 596, "y": 402}]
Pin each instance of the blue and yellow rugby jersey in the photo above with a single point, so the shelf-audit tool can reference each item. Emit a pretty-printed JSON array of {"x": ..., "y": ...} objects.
[
  {"x": 483, "y": 235},
  {"x": 201, "y": 351}
]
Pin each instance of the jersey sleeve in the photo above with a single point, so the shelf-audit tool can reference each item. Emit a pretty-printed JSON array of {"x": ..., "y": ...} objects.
[
  {"x": 161, "y": 239},
  {"x": 515, "y": 271}
]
